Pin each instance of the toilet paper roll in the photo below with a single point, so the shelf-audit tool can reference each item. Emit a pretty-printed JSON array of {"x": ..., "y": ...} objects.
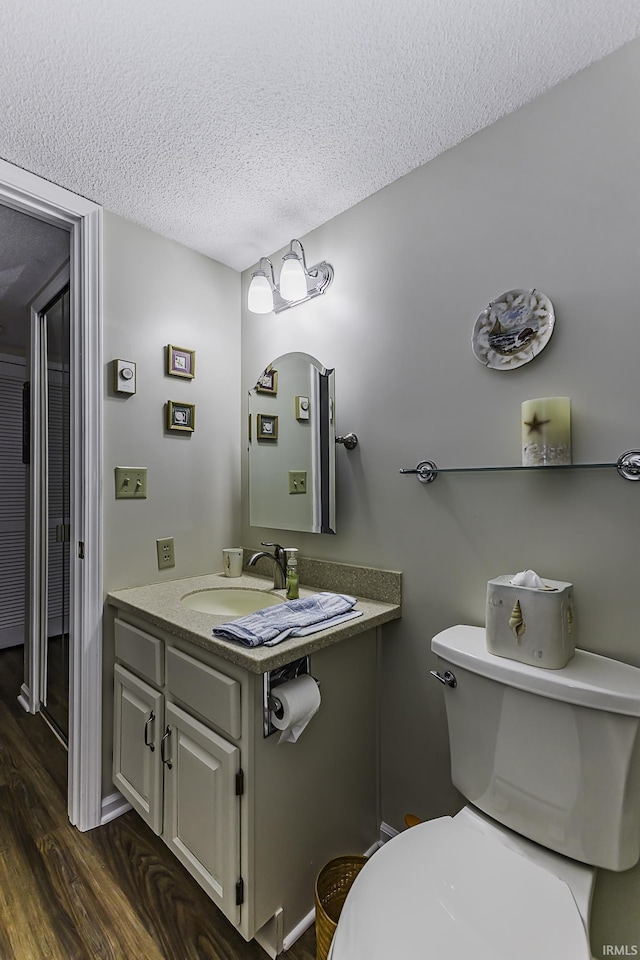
[{"x": 300, "y": 699}]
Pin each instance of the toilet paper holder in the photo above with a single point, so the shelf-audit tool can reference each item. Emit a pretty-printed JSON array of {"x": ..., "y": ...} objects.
[{"x": 271, "y": 681}]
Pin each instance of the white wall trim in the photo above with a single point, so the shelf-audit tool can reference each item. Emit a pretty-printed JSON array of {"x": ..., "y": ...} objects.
[
  {"x": 24, "y": 698},
  {"x": 46, "y": 201},
  {"x": 298, "y": 930},
  {"x": 369, "y": 852},
  {"x": 87, "y": 599},
  {"x": 387, "y": 832},
  {"x": 113, "y": 807}
]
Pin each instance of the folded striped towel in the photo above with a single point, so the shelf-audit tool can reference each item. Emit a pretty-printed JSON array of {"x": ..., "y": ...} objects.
[{"x": 295, "y": 618}]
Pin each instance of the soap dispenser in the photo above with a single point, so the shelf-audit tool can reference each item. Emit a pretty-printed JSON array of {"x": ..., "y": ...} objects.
[{"x": 293, "y": 591}]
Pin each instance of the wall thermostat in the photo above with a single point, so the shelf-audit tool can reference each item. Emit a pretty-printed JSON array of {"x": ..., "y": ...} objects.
[
  {"x": 302, "y": 408},
  {"x": 124, "y": 376}
]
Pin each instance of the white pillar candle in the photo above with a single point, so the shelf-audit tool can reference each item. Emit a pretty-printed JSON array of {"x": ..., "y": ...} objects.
[{"x": 546, "y": 431}]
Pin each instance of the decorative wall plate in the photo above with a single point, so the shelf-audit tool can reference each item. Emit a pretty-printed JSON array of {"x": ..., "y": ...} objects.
[{"x": 513, "y": 329}]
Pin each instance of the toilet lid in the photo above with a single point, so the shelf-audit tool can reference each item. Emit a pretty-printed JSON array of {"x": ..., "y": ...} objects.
[{"x": 444, "y": 889}]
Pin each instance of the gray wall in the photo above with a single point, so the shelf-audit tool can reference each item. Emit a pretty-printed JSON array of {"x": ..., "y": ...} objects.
[
  {"x": 158, "y": 292},
  {"x": 547, "y": 197}
]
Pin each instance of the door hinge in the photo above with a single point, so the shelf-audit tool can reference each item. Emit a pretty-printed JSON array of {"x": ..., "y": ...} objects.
[
  {"x": 239, "y": 782},
  {"x": 239, "y": 892},
  {"x": 81, "y": 549}
]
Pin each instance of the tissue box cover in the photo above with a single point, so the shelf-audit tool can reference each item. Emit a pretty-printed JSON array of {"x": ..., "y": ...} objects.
[{"x": 531, "y": 625}]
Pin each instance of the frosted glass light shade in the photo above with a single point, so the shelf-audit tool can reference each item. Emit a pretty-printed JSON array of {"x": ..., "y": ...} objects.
[
  {"x": 293, "y": 281},
  {"x": 260, "y": 296}
]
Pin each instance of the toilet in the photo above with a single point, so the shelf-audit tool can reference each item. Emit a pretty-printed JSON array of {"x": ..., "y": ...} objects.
[{"x": 549, "y": 762}]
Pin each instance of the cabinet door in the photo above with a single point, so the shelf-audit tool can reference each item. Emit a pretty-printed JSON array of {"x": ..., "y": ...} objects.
[
  {"x": 138, "y": 727},
  {"x": 202, "y": 810}
]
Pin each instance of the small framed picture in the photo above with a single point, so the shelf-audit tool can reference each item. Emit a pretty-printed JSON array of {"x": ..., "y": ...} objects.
[
  {"x": 181, "y": 416},
  {"x": 268, "y": 382},
  {"x": 266, "y": 427},
  {"x": 181, "y": 362}
]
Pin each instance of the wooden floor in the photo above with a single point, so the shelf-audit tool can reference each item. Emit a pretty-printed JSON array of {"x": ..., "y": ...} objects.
[
  {"x": 115, "y": 893},
  {"x": 58, "y": 683}
]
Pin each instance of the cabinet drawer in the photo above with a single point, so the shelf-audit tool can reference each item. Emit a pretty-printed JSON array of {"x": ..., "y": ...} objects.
[
  {"x": 140, "y": 651},
  {"x": 213, "y": 695}
]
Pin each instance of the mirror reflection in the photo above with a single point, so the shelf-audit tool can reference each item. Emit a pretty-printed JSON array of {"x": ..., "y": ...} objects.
[{"x": 292, "y": 446}]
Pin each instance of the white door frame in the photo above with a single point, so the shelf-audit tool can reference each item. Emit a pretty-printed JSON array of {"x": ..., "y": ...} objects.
[
  {"x": 32, "y": 690},
  {"x": 83, "y": 219}
]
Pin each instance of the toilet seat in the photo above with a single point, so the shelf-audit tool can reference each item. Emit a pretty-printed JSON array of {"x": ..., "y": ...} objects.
[{"x": 447, "y": 890}]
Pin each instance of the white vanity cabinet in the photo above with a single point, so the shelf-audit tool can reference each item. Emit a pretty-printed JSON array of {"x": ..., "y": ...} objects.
[
  {"x": 253, "y": 820},
  {"x": 177, "y": 772}
]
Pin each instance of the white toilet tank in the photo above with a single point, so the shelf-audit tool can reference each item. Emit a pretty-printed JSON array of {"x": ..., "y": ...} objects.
[{"x": 554, "y": 755}]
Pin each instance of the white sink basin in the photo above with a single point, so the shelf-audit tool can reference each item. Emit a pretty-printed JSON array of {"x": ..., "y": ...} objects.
[{"x": 230, "y": 601}]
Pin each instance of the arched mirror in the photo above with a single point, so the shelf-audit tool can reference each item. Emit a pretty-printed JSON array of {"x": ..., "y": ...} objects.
[{"x": 292, "y": 446}]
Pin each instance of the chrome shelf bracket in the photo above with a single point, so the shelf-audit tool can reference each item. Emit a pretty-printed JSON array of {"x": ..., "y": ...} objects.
[
  {"x": 426, "y": 471},
  {"x": 628, "y": 465}
]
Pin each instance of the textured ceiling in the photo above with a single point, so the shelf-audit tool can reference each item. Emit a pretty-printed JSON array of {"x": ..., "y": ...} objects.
[{"x": 234, "y": 126}]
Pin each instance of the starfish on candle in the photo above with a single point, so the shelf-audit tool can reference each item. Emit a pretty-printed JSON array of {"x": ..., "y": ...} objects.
[{"x": 535, "y": 425}]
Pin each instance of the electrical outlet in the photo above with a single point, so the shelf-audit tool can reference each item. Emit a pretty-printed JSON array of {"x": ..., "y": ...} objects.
[
  {"x": 166, "y": 555},
  {"x": 297, "y": 481}
]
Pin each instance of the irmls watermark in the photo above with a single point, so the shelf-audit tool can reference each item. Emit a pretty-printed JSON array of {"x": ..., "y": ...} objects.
[{"x": 620, "y": 950}]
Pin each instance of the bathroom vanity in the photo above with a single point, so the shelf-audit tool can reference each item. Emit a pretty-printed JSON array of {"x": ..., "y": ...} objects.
[{"x": 250, "y": 818}]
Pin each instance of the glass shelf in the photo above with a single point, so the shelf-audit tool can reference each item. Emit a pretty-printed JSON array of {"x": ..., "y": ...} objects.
[
  {"x": 548, "y": 468},
  {"x": 628, "y": 466}
]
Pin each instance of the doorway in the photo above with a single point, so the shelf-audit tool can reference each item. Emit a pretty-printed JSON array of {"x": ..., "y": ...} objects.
[
  {"x": 31, "y": 252},
  {"x": 82, "y": 220}
]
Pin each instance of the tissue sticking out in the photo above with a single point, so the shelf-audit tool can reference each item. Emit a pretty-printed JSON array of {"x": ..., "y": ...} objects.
[
  {"x": 529, "y": 578},
  {"x": 516, "y": 621}
]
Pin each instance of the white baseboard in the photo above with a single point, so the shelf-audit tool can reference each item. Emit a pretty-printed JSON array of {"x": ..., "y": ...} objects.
[
  {"x": 24, "y": 698},
  {"x": 372, "y": 849},
  {"x": 271, "y": 935},
  {"x": 290, "y": 938},
  {"x": 298, "y": 930},
  {"x": 112, "y": 807},
  {"x": 387, "y": 832}
]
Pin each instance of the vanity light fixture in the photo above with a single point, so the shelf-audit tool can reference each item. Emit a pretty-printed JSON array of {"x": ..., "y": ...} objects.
[{"x": 297, "y": 282}]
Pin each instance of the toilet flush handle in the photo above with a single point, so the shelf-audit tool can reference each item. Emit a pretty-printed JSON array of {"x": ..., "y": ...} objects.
[{"x": 447, "y": 677}]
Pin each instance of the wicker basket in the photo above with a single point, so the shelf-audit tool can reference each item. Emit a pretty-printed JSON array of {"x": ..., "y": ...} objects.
[{"x": 332, "y": 886}]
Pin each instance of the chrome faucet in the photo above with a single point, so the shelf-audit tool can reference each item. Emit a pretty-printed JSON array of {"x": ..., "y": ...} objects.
[{"x": 279, "y": 560}]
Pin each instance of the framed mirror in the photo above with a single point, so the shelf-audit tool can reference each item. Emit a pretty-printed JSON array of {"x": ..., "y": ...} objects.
[{"x": 292, "y": 446}]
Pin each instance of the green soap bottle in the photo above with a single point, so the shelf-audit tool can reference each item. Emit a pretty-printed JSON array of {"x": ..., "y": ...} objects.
[{"x": 293, "y": 589}]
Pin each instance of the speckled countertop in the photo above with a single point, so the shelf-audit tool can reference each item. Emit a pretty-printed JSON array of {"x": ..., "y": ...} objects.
[{"x": 159, "y": 604}]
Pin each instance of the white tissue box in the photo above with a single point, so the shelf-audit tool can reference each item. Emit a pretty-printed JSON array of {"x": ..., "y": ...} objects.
[{"x": 529, "y": 624}]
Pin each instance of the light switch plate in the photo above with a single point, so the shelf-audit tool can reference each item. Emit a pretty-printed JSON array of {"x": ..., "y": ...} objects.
[
  {"x": 131, "y": 483},
  {"x": 124, "y": 376},
  {"x": 297, "y": 481}
]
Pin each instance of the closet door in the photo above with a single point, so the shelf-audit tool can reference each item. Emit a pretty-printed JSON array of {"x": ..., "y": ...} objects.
[
  {"x": 12, "y": 505},
  {"x": 55, "y": 653}
]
